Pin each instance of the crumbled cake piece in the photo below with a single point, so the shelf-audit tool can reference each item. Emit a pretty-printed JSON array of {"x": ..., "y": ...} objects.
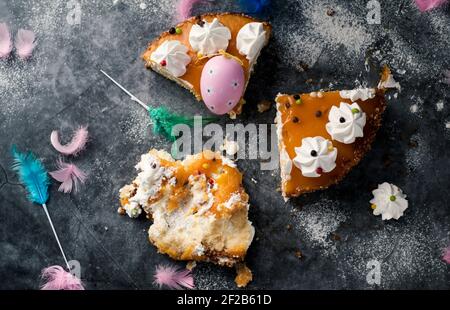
[
  {"x": 199, "y": 206},
  {"x": 244, "y": 275}
]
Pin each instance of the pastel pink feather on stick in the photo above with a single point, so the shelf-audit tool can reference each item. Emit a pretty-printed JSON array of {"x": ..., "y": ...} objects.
[
  {"x": 76, "y": 145},
  {"x": 173, "y": 277},
  {"x": 426, "y": 5},
  {"x": 69, "y": 175},
  {"x": 56, "y": 278},
  {"x": 184, "y": 8},
  {"x": 25, "y": 43},
  {"x": 5, "y": 41}
]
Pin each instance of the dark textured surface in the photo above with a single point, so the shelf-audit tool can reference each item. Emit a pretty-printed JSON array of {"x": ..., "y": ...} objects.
[{"x": 61, "y": 87}]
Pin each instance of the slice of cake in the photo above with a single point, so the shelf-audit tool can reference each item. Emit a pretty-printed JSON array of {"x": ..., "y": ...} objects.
[
  {"x": 322, "y": 135},
  {"x": 198, "y": 206},
  {"x": 182, "y": 53}
]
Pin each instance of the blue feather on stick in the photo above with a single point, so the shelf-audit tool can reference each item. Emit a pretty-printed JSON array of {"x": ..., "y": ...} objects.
[{"x": 32, "y": 175}]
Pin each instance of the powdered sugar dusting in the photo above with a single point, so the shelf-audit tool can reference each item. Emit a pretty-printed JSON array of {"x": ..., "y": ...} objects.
[
  {"x": 320, "y": 32},
  {"x": 209, "y": 277},
  {"x": 404, "y": 252},
  {"x": 317, "y": 222},
  {"x": 418, "y": 155}
]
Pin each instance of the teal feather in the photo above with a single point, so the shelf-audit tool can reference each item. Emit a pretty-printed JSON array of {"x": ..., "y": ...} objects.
[
  {"x": 163, "y": 121},
  {"x": 32, "y": 175}
]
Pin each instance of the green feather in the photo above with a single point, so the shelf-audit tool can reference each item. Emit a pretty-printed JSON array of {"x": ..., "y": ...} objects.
[{"x": 164, "y": 121}]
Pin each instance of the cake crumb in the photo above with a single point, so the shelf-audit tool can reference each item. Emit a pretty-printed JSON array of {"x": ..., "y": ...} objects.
[
  {"x": 414, "y": 108},
  {"x": 121, "y": 211},
  {"x": 330, "y": 12},
  {"x": 264, "y": 106},
  {"x": 191, "y": 265},
  {"x": 244, "y": 275}
]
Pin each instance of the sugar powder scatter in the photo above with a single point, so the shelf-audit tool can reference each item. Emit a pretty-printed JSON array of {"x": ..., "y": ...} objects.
[
  {"x": 404, "y": 252},
  {"x": 417, "y": 155},
  {"x": 209, "y": 277},
  {"x": 319, "y": 32},
  {"x": 317, "y": 222}
]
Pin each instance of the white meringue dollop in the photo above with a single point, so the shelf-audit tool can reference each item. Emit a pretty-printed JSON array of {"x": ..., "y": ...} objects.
[
  {"x": 389, "y": 201},
  {"x": 210, "y": 37},
  {"x": 250, "y": 40},
  {"x": 315, "y": 156},
  {"x": 358, "y": 94},
  {"x": 172, "y": 56},
  {"x": 346, "y": 123}
]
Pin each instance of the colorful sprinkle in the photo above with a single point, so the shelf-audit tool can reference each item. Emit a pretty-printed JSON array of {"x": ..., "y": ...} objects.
[
  {"x": 355, "y": 110},
  {"x": 199, "y": 55},
  {"x": 330, "y": 147},
  {"x": 298, "y": 101},
  {"x": 373, "y": 206},
  {"x": 205, "y": 166},
  {"x": 392, "y": 198},
  {"x": 163, "y": 63},
  {"x": 178, "y": 30},
  {"x": 319, "y": 170}
]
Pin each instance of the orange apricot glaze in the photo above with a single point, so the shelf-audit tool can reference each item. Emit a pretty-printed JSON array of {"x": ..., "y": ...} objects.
[{"x": 312, "y": 115}]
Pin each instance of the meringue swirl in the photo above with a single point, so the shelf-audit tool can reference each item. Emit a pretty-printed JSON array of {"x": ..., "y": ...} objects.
[
  {"x": 362, "y": 94},
  {"x": 315, "y": 156},
  {"x": 250, "y": 40},
  {"x": 209, "y": 38},
  {"x": 172, "y": 56},
  {"x": 346, "y": 123},
  {"x": 389, "y": 201}
]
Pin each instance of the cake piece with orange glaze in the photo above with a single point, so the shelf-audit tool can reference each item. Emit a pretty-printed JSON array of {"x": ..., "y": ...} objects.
[
  {"x": 181, "y": 54},
  {"x": 323, "y": 135},
  {"x": 199, "y": 206}
]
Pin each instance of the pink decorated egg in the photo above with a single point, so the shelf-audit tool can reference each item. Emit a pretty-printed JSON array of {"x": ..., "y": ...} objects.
[{"x": 222, "y": 84}]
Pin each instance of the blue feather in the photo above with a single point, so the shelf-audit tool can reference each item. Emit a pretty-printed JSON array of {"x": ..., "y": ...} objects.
[{"x": 32, "y": 175}]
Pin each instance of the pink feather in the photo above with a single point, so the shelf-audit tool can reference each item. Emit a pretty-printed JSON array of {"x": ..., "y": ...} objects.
[
  {"x": 76, "y": 145},
  {"x": 426, "y": 5},
  {"x": 25, "y": 43},
  {"x": 184, "y": 9},
  {"x": 69, "y": 175},
  {"x": 56, "y": 278},
  {"x": 446, "y": 255},
  {"x": 5, "y": 41},
  {"x": 173, "y": 277}
]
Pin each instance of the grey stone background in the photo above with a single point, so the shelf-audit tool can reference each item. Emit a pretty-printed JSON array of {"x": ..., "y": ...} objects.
[{"x": 61, "y": 87}]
